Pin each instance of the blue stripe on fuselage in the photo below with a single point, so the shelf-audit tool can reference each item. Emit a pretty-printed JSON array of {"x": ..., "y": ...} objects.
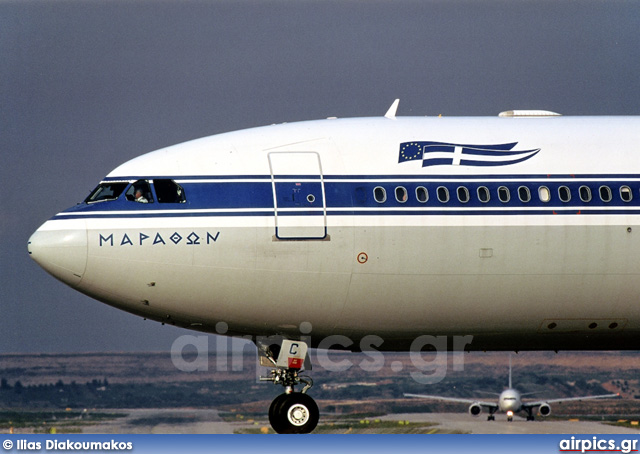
[{"x": 252, "y": 195}]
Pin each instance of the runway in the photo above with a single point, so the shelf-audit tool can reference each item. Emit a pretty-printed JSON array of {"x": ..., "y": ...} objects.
[
  {"x": 463, "y": 422},
  {"x": 166, "y": 421},
  {"x": 195, "y": 421}
]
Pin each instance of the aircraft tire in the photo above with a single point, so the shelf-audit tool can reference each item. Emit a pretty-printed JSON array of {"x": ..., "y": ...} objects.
[
  {"x": 274, "y": 410},
  {"x": 294, "y": 413}
]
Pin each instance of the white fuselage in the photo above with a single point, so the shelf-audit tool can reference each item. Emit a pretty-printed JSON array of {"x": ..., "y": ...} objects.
[
  {"x": 510, "y": 401},
  {"x": 326, "y": 222}
]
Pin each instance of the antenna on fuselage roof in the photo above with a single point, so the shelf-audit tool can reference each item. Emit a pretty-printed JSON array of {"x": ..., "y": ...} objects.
[{"x": 391, "y": 113}]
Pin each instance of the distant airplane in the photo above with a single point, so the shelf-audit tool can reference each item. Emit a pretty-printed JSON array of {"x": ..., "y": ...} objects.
[
  {"x": 510, "y": 402},
  {"x": 519, "y": 232}
]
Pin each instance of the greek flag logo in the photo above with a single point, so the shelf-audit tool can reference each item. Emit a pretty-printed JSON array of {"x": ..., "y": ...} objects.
[{"x": 443, "y": 153}]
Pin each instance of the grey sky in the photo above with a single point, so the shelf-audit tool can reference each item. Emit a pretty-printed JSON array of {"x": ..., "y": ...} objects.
[{"x": 87, "y": 85}]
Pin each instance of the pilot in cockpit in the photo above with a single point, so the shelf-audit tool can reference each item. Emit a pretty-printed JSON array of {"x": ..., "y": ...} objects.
[{"x": 139, "y": 196}]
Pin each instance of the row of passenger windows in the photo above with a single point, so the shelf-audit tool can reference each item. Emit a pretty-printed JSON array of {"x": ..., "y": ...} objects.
[{"x": 503, "y": 194}]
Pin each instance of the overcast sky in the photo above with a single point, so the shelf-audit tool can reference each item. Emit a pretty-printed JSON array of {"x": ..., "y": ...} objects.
[{"x": 87, "y": 85}]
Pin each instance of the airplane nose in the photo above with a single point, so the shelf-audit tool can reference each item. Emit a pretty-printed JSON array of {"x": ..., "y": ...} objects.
[{"x": 60, "y": 248}]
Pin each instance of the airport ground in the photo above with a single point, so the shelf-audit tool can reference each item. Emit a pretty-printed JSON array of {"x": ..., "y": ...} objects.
[
  {"x": 146, "y": 393},
  {"x": 201, "y": 421}
]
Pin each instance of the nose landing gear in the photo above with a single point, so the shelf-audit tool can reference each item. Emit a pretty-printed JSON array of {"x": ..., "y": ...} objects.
[
  {"x": 290, "y": 412},
  {"x": 293, "y": 413}
]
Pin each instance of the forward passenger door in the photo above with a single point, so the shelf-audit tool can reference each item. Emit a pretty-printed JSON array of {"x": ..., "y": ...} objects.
[{"x": 298, "y": 194}]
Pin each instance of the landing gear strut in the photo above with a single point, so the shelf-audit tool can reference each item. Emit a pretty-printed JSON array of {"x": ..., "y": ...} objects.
[
  {"x": 290, "y": 412},
  {"x": 530, "y": 416}
]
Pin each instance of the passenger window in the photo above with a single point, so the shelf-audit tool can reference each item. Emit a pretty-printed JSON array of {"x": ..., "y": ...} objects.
[
  {"x": 503, "y": 194},
  {"x": 463, "y": 194},
  {"x": 544, "y": 194},
  {"x": 625, "y": 194},
  {"x": 564, "y": 193},
  {"x": 443, "y": 194},
  {"x": 605, "y": 194},
  {"x": 401, "y": 194},
  {"x": 380, "y": 194},
  {"x": 422, "y": 194},
  {"x": 140, "y": 192},
  {"x": 106, "y": 191},
  {"x": 585, "y": 193},
  {"x": 168, "y": 191},
  {"x": 483, "y": 194},
  {"x": 524, "y": 194}
]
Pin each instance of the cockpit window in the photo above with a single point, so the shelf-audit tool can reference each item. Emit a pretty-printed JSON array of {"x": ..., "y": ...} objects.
[
  {"x": 140, "y": 192},
  {"x": 106, "y": 191},
  {"x": 168, "y": 191}
]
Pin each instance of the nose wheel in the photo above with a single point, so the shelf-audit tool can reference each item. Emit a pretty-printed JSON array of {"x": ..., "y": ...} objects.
[{"x": 293, "y": 413}]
